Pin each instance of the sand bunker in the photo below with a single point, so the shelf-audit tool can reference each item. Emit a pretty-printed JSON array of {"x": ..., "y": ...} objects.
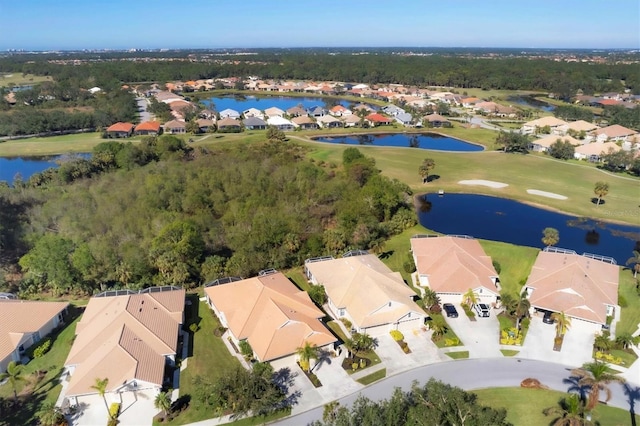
[
  {"x": 488, "y": 183},
  {"x": 546, "y": 194}
]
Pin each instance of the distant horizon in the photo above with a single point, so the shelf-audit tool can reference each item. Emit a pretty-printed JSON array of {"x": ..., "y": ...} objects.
[{"x": 42, "y": 25}]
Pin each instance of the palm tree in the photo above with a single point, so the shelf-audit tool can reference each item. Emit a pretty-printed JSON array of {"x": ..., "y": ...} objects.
[
  {"x": 601, "y": 189},
  {"x": 364, "y": 342},
  {"x": 350, "y": 346},
  {"x": 522, "y": 308},
  {"x": 563, "y": 323},
  {"x": 306, "y": 354},
  {"x": 551, "y": 236},
  {"x": 594, "y": 375},
  {"x": 100, "y": 386},
  {"x": 439, "y": 327},
  {"x": 626, "y": 339},
  {"x": 509, "y": 303},
  {"x": 470, "y": 298},
  {"x": 635, "y": 261},
  {"x": 602, "y": 343},
  {"x": 50, "y": 415},
  {"x": 430, "y": 298},
  {"x": 425, "y": 168},
  {"x": 14, "y": 374},
  {"x": 163, "y": 402},
  {"x": 569, "y": 412}
]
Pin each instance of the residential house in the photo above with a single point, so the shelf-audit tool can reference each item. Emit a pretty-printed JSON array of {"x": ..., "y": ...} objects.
[
  {"x": 329, "y": 122},
  {"x": 436, "y": 120},
  {"x": 270, "y": 313},
  {"x": 351, "y": 120},
  {"x": 147, "y": 128},
  {"x": 252, "y": 112},
  {"x": 393, "y": 110},
  {"x": 365, "y": 291},
  {"x": 577, "y": 127},
  {"x": 543, "y": 144},
  {"x": 229, "y": 113},
  {"x": 167, "y": 97},
  {"x": 205, "y": 125},
  {"x": 339, "y": 111},
  {"x": 208, "y": 114},
  {"x": 614, "y": 133},
  {"x": 280, "y": 123},
  {"x": 582, "y": 287},
  {"x": 175, "y": 127},
  {"x": 304, "y": 122},
  {"x": 470, "y": 102},
  {"x": 229, "y": 124},
  {"x": 404, "y": 118},
  {"x": 23, "y": 323},
  {"x": 254, "y": 123},
  {"x": 273, "y": 112},
  {"x": 534, "y": 126},
  {"x": 593, "y": 151},
  {"x": 451, "y": 265},
  {"x": 317, "y": 111},
  {"x": 128, "y": 338},
  {"x": 376, "y": 119},
  {"x": 362, "y": 107},
  {"x": 296, "y": 111},
  {"x": 120, "y": 130}
]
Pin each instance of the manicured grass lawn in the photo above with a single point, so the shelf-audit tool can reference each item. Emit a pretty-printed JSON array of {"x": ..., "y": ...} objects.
[
  {"x": 255, "y": 421},
  {"x": 17, "y": 79},
  {"x": 395, "y": 251},
  {"x": 32, "y": 394},
  {"x": 373, "y": 377},
  {"x": 450, "y": 334},
  {"x": 371, "y": 356},
  {"x": 509, "y": 352},
  {"x": 515, "y": 263},
  {"x": 210, "y": 359},
  {"x": 81, "y": 142},
  {"x": 628, "y": 357},
  {"x": 297, "y": 276},
  {"x": 524, "y": 406},
  {"x": 458, "y": 355},
  {"x": 630, "y": 316},
  {"x": 335, "y": 327}
]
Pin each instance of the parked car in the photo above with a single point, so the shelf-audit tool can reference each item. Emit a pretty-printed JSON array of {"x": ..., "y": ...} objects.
[
  {"x": 547, "y": 317},
  {"x": 482, "y": 309},
  {"x": 451, "y": 310}
]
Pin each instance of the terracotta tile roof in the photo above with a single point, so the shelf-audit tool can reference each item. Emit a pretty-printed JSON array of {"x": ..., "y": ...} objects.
[
  {"x": 547, "y": 141},
  {"x": 453, "y": 264},
  {"x": 148, "y": 126},
  {"x": 21, "y": 317},
  {"x": 581, "y": 125},
  {"x": 338, "y": 108},
  {"x": 227, "y": 121},
  {"x": 125, "y": 338},
  {"x": 609, "y": 102},
  {"x": 435, "y": 118},
  {"x": 174, "y": 124},
  {"x": 363, "y": 285},
  {"x": 545, "y": 121},
  {"x": 615, "y": 131},
  {"x": 596, "y": 148},
  {"x": 271, "y": 313},
  {"x": 378, "y": 118},
  {"x": 120, "y": 127},
  {"x": 579, "y": 286},
  {"x": 303, "y": 119}
]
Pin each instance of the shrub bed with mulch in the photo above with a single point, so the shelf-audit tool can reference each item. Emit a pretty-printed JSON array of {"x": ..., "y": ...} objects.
[{"x": 312, "y": 377}]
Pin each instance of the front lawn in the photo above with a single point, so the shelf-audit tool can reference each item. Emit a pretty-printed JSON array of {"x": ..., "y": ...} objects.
[
  {"x": 515, "y": 263},
  {"x": 363, "y": 359},
  {"x": 458, "y": 355},
  {"x": 628, "y": 296},
  {"x": 339, "y": 333},
  {"x": 524, "y": 406},
  {"x": 37, "y": 390},
  {"x": 509, "y": 352},
  {"x": 373, "y": 377}
]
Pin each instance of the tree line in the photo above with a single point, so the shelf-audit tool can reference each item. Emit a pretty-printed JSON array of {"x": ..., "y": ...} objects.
[{"x": 188, "y": 217}]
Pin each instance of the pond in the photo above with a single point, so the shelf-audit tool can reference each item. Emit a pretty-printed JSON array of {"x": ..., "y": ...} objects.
[
  {"x": 242, "y": 103},
  {"x": 530, "y": 101},
  {"x": 25, "y": 166},
  {"x": 509, "y": 221},
  {"x": 413, "y": 140}
]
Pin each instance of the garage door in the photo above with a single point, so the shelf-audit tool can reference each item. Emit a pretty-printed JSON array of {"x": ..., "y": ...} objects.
[{"x": 410, "y": 325}]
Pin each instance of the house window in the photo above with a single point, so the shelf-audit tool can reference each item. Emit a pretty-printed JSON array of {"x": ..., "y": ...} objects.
[
  {"x": 341, "y": 312},
  {"x": 409, "y": 316},
  {"x": 389, "y": 304}
]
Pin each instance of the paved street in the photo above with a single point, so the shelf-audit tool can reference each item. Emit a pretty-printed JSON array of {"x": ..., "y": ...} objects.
[{"x": 469, "y": 375}]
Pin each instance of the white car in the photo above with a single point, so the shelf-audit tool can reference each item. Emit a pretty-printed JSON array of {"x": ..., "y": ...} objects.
[{"x": 482, "y": 309}]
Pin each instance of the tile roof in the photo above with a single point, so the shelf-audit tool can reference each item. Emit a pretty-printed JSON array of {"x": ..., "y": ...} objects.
[
  {"x": 175, "y": 124},
  {"x": 581, "y": 125},
  {"x": 120, "y": 127},
  {"x": 597, "y": 148},
  {"x": 378, "y": 118},
  {"x": 271, "y": 313},
  {"x": 148, "y": 126},
  {"x": 579, "y": 286},
  {"x": 21, "y": 317},
  {"x": 435, "y": 118},
  {"x": 454, "y": 264},
  {"x": 227, "y": 122},
  {"x": 363, "y": 285},
  {"x": 615, "y": 131},
  {"x": 545, "y": 121},
  {"x": 548, "y": 140},
  {"x": 125, "y": 338}
]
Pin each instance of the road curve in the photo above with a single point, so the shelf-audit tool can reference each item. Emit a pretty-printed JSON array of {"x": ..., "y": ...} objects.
[{"x": 470, "y": 375}]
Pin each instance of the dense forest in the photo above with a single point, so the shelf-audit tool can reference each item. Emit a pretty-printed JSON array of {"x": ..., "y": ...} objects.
[
  {"x": 562, "y": 78},
  {"x": 189, "y": 216}
]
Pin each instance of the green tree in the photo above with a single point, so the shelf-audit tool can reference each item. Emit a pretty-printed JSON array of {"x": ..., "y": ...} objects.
[
  {"x": 100, "y": 386},
  {"x": 50, "y": 263},
  {"x": 635, "y": 261},
  {"x": 602, "y": 342},
  {"x": 177, "y": 252},
  {"x": 439, "y": 327},
  {"x": 513, "y": 142},
  {"x": 550, "y": 237},
  {"x": 14, "y": 375},
  {"x": 625, "y": 340},
  {"x": 318, "y": 294},
  {"x": 163, "y": 402},
  {"x": 470, "y": 298},
  {"x": 563, "y": 323},
  {"x": 50, "y": 415},
  {"x": 562, "y": 149},
  {"x": 509, "y": 302},
  {"x": 245, "y": 349},
  {"x": 274, "y": 134},
  {"x": 306, "y": 353},
  {"x": 601, "y": 189},
  {"x": 430, "y": 298},
  {"x": 427, "y": 165},
  {"x": 568, "y": 412},
  {"x": 595, "y": 377},
  {"x": 192, "y": 127},
  {"x": 522, "y": 308},
  {"x": 363, "y": 343}
]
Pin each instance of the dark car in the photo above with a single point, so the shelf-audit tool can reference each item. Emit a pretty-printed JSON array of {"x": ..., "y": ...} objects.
[
  {"x": 450, "y": 310},
  {"x": 547, "y": 319}
]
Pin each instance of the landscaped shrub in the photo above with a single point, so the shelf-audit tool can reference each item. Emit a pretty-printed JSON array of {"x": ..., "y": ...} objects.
[
  {"x": 468, "y": 311},
  {"x": 346, "y": 323},
  {"x": 454, "y": 341},
  {"x": 114, "y": 410},
  {"x": 622, "y": 301},
  {"x": 397, "y": 335},
  {"x": 245, "y": 349},
  {"x": 194, "y": 327},
  {"x": 496, "y": 266},
  {"x": 609, "y": 358},
  {"x": 42, "y": 349},
  {"x": 510, "y": 336}
]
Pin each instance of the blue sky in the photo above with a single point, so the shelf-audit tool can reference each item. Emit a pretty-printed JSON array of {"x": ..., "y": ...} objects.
[{"x": 119, "y": 24}]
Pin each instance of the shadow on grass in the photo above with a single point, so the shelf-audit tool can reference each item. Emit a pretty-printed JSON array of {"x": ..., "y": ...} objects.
[{"x": 633, "y": 395}]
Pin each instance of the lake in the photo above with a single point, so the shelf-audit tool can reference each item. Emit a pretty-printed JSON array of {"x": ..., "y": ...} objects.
[
  {"x": 26, "y": 166},
  {"x": 283, "y": 102},
  {"x": 530, "y": 101},
  {"x": 500, "y": 219},
  {"x": 432, "y": 141}
]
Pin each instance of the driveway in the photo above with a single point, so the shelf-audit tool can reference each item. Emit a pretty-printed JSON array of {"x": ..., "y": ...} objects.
[
  {"x": 481, "y": 337},
  {"x": 137, "y": 409},
  {"x": 576, "y": 349}
]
